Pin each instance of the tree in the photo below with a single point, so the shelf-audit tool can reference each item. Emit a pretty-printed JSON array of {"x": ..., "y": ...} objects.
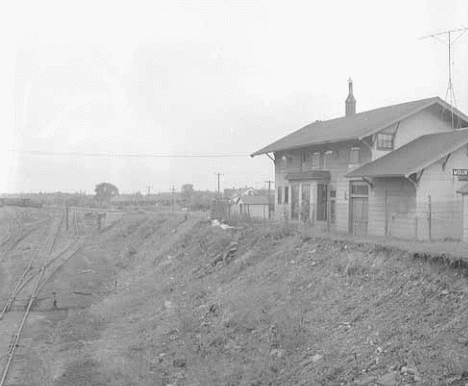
[
  {"x": 186, "y": 193},
  {"x": 105, "y": 191}
]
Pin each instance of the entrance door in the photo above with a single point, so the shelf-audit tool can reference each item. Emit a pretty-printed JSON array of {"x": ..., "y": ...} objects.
[
  {"x": 295, "y": 202},
  {"x": 359, "y": 215},
  {"x": 359, "y": 209},
  {"x": 305, "y": 202}
]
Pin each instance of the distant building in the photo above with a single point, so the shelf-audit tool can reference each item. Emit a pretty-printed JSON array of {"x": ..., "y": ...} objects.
[
  {"x": 392, "y": 171},
  {"x": 251, "y": 207},
  {"x": 247, "y": 202},
  {"x": 235, "y": 194}
]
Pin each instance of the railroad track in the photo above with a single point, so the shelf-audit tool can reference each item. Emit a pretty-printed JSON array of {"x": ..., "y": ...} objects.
[
  {"x": 17, "y": 232},
  {"x": 33, "y": 281},
  {"x": 15, "y": 228}
]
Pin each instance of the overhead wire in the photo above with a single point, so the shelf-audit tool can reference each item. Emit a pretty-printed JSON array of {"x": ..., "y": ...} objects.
[{"x": 128, "y": 155}]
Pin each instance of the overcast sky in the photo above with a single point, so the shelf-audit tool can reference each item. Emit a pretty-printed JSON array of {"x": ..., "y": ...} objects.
[{"x": 201, "y": 78}]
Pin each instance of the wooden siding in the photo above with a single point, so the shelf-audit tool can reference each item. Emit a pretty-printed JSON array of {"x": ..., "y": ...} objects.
[
  {"x": 392, "y": 207},
  {"x": 465, "y": 217},
  {"x": 446, "y": 205},
  {"x": 398, "y": 209}
]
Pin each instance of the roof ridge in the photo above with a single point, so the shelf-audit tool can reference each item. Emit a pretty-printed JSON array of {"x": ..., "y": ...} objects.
[
  {"x": 435, "y": 98},
  {"x": 357, "y": 126}
]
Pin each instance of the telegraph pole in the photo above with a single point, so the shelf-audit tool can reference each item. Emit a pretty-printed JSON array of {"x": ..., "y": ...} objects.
[
  {"x": 450, "y": 91},
  {"x": 173, "y": 198},
  {"x": 148, "y": 194},
  {"x": 219, "y": 184}
]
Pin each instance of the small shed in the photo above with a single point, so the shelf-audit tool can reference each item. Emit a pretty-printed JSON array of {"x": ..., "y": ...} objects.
[
  {"x": 252, "y": 207},
  {"x": 464, "y": 192}
]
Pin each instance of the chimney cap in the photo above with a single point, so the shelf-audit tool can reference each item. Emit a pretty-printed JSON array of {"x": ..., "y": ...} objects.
[{"x": 350, "y": 100}]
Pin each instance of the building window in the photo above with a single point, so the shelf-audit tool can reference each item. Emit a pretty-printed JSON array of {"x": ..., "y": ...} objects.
[
  {"x": 327, "y": 159},
  {"x": 280, "y": 194},
  {"x": 322, "y": 201},
  {"x": 305, "y": 156},
  {"x": 316, "y": 161},
  {"x": 332, "y": 211},
  {"x": 359, "y": 189},
  {"x": 286, "y": 194},
  {"x": 354, "y": 156},
  {"x": 385, "y": 141}
]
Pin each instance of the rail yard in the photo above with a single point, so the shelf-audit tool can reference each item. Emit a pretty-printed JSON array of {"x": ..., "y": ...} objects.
[{"x": 38, "y": 247}]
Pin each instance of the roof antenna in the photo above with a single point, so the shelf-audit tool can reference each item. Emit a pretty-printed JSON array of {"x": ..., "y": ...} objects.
[{"x": 450, "y": 91}]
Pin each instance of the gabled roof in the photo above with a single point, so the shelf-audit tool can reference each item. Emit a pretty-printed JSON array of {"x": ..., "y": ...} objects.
[
  {"x": 414, "y": 156},
  {"x": 356, "y": 126},
  {"x": 247, "y": 191}
]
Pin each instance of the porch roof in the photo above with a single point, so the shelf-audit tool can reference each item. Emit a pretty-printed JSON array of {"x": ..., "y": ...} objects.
[
  {"x": 309, "y": 175},
  {"x": 414, "y": 156}
]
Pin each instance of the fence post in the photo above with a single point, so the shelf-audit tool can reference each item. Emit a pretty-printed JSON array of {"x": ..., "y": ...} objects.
[
  {"x": 429, "y": 218},
  {"x": 386, "y": 212},
  {"x": 416, "y": 228}
]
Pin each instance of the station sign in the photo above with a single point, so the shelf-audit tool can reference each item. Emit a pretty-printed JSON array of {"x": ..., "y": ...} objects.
[{"x": 462, "y": 174}]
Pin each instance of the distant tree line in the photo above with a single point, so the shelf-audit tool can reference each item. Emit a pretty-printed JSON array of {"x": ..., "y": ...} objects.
[{"x": 108, "y": 195}]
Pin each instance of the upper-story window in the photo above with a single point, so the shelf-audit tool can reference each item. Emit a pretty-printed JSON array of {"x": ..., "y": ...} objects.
[
  {"x": 285, "y": 161},
  {"x": 305, "y": 156},
  {"x": 327, "y": 157},
  {"x": 316, "y": 158},
  {"x": 354, "y": 156},
  {"x": 385, "y": 141}
]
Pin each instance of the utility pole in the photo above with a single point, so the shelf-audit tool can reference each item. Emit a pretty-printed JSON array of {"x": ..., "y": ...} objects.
[
  {"x": 66, "y": 214},
  {"x": 219, "y": 184},
  {"x": 148, "y": 194},
  {"x": 269, "y": 182},
  {"x": 173, "y": 198},
  {"x": 450, "y": 91}
]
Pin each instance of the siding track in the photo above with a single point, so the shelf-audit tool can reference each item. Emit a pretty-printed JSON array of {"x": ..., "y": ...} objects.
[{"x": 32, "y": 281}]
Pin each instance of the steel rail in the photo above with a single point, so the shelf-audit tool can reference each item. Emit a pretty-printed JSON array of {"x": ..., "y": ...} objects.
[
  {"x": 19, "y": 286},
  {"x": 41, "y": 281},
  {"x": 24, "y": 282}
]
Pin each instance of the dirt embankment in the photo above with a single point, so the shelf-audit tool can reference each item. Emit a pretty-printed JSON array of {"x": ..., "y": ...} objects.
[
  {"x": 156, "y": 300},
  {"x": 263, "y": 305}
]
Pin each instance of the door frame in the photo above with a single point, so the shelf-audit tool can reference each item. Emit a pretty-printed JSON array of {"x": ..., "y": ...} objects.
[{"x": 351, "y": 228}]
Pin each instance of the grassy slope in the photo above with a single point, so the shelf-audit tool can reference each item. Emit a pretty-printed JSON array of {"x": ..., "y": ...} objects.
[{"x": 284, "y": 308}]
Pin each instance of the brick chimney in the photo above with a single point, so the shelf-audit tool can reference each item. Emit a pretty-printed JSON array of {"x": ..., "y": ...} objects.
[{"x": 350, "y": 100}]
